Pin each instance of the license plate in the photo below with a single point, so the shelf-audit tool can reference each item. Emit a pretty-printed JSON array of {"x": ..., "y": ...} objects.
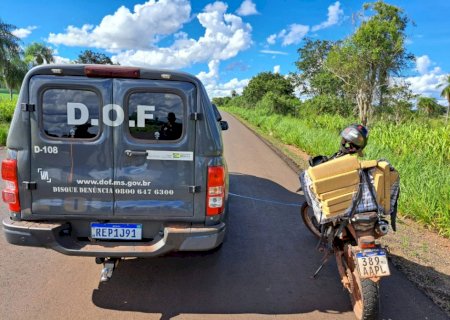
[
  {"x": 116, "y": 231},
  {"x": 372, "y": 263}
]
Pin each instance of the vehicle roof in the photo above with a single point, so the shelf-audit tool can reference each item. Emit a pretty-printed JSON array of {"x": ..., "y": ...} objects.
[{"x": 145, "y": 73}]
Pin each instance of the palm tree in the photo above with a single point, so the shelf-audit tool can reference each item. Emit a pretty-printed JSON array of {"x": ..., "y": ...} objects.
[
  {"x": 428, "y": 106},
  {"x": 9, "y": 43},
  {"x": 446, "y": 93},
  {"x": 37, "y": 54},
  {"x": 13, "y": 73}
]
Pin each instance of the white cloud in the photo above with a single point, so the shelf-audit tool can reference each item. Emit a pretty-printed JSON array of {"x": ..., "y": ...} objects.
[
  {"x": 276, "y": 69},
  {"x": 422, "y": 64},
  {"x": 272, "y": 39},
  {"x": 427, "y": 82},
  {"x": 124, "y": 29},
  {"x": 334, "y": 15},
  {"x": 213, "y": 73},
  {"x": 224, "y": 37},
  {"x": 212, "y": 85},
  {"x": 225, "y": 89},
  {"x": 23, "y": 32},
  {"x": 247, "y": 8},
  {"x": 294, "y": 34},
  {"x": 273, "y": 52}
]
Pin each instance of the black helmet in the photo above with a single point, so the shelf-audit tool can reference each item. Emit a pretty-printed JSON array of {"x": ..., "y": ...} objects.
[{"x": 354, "y": 138}]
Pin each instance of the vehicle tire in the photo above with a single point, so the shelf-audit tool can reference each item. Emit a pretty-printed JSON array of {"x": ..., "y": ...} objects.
[
  {"x": 365, "y": 298},
  {"x": 309, "y": 219}
]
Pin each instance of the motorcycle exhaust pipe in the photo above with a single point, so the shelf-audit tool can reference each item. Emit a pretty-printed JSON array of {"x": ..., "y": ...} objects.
[{"x": 382, "y": 228}]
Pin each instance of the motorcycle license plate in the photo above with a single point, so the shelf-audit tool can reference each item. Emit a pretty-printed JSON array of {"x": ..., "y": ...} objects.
[
  {"x": 372, "y": 263},
  {"x": 116, "y": 231}
]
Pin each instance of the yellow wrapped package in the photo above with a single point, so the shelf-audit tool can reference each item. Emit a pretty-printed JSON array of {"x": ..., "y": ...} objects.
[{"x": 335, "y": 183}]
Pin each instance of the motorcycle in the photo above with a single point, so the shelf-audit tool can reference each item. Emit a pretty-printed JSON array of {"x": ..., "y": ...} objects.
[{"x": 353, "y": 240}]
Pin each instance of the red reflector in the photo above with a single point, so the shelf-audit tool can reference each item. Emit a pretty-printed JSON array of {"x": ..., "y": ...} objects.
[
  {"x": 215, "y": 194},
  {"x": 9, "y": 169},
  {"x": 111, "y": 72},
  {"x": 369, "y": 245}
]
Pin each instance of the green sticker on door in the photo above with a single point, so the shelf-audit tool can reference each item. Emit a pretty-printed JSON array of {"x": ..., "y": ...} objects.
[{"x": 170, "y": 155}]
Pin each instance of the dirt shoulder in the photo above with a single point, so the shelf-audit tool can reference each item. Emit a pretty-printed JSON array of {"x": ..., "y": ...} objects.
[{"x": 422, "y": 255}]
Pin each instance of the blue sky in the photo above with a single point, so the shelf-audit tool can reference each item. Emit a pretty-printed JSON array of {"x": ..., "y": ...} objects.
[{"x": 223, "y": 43}]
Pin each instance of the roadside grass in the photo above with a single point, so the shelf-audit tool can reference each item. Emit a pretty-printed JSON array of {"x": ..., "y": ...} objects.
[{"x": 420, "y": 151}]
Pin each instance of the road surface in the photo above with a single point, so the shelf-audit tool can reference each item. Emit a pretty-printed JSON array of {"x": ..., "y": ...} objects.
[{"x": 263, "y": 270}]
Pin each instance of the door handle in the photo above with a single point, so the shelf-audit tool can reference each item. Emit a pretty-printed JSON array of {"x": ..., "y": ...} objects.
[{"x": 131, "y": 153}]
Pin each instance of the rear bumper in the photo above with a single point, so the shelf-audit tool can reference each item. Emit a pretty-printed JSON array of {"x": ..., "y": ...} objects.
[{"x": 53, "y": 236}]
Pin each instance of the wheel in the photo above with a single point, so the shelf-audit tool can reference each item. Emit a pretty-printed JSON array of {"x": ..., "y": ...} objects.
[
  {"x": 309, "y": 219},
  {"x": 365, "y": 297}
]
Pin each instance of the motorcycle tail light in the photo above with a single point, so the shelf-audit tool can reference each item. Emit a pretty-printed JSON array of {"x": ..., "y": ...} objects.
[{"x": 367, "y": 245}]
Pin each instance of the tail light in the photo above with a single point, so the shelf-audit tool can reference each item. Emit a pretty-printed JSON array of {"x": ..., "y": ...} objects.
[
  {"x": 215, "y": 193},
  {"x": 10, "y": 194}
]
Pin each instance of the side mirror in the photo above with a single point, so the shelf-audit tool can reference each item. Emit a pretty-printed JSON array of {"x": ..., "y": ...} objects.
[{"x": 224, "y": 125}]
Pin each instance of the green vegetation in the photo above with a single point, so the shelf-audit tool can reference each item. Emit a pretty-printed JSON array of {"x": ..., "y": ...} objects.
[
  {"x": 419, "y": 150},
  {"x": 7, "y": 107},
  {"x": 350, "y": 81},
  {"x": 91, "y": 57}
]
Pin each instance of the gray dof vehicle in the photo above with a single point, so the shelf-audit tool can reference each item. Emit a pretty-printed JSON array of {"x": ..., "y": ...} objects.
[{"x": 112, "y": 162}]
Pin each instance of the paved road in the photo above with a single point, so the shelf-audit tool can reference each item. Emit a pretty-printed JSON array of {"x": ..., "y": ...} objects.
[{"x": 262, "y": 271}]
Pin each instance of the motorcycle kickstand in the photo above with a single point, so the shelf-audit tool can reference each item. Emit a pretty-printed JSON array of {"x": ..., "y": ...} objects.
[{"x": 324, "y": 261}]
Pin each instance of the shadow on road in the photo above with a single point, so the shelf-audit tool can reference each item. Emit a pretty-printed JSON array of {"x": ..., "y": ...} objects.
[
  {"x": 263, "y": 267},
  {"x": 434, "y": 284}
]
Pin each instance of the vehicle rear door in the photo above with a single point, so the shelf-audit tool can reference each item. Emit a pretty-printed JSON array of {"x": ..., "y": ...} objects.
[
  {"x": 154, "y": 148},
  {"x": 71, "y": 149}
]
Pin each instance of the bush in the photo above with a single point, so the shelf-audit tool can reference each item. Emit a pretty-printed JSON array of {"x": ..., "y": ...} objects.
[
  {"x": 326, "y": 104},
  {"x": 274, "y": 103},
  {"x": 4, "y": 128},
  {"x": 7, "y": 108}
]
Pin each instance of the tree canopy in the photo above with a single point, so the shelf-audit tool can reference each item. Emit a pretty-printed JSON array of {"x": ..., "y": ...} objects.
[
  {"x": 9, "y": 44},
  {"x": 367, "y": 59},
  {"x": 265, "y": 82},
  {"x": 313, "y": 77},
  {"x": 91, "y": 57},
  {"x": 38, "y": 53}
]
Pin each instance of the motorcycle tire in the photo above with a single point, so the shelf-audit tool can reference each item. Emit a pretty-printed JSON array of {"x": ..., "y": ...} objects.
[
  {"x": 310, "y": 220},
  {"x": 365, "y": 298}
]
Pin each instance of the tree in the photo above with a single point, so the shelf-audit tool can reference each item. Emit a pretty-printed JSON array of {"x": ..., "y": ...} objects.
[
  {"x": 91, "y": 57},
  {"x": 445, "y": 93},
  {"x": 13, "y": 73},
  {"x": 398, "y": 102},
  {"x": 366, "y": 60},
  {"x": 265, "y": 82},
  {"x": 313, "y": 77},
  {"x": 221, "y": 101},
  {"x": 38, "y": 53},
  {"x": 429, "y": 106},
  {"x": 9, "y": 44}
]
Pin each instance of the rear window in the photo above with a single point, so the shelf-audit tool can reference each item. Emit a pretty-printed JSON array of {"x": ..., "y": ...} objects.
[
  {"x": 68, "y": 113},
  {"x": 155, "y": 116}
]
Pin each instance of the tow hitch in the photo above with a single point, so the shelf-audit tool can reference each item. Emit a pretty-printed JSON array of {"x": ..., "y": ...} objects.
[{"x": 109, "y": 264}]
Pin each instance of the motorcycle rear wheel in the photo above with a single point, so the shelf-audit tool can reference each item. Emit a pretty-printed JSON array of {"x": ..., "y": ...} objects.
[
  {"x": 365, "y": 298},
  {"x": 309, "y": 219}
]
